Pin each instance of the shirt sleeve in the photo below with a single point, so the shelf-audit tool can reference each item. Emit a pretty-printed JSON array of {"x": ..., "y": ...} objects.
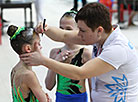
[{"x": 114, "y": 55}]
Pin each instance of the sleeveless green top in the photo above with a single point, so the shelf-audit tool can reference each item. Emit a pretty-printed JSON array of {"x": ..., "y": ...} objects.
[
  {"x": 18, "y": 97},
  {"x": 68, "y": 86}
]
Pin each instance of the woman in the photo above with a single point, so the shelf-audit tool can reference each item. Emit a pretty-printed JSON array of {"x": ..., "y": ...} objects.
[
  {"x": 114, "y": 65},
  {"x": 68, "y": 89},
  {"x": 24, "y": 83}
]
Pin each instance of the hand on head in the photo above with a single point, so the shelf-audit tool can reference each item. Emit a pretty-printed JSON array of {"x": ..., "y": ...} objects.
[
  {"x": 39, "y": 28},
  {"x": 33, "y": 58}
]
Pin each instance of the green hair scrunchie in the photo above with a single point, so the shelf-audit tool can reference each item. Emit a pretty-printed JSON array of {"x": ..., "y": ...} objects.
[
  {"x": 72, "y": 11},
  {"x": 17, "y": 32}
]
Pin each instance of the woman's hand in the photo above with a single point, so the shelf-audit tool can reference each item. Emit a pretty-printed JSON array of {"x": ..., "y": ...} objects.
[
  {"x": 33, "y": 58},
  {"x": 39, "y": 28}
]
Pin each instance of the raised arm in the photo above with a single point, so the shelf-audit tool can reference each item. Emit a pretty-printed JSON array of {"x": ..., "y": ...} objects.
[
  {"x": 60, "y": 35},
  {"x": 50, "y": 80}
]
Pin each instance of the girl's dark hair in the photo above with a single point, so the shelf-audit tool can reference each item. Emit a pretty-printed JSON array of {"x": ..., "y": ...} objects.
[
  {"x": 95, "y": 15},
  {"x": 71, "y": 13},
  {"x": 24, "y": 37}
]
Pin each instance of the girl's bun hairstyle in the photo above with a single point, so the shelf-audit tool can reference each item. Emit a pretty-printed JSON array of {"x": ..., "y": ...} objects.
[
  {"x": 19, "y": 36},
  {"x": 11, "y": 30}
]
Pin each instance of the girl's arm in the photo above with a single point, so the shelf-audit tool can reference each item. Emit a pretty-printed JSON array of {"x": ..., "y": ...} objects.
[
  {"x": 50, "y": 79},
  {"x": 90, "y": 88},
  {"x": 33, "y": 84}
]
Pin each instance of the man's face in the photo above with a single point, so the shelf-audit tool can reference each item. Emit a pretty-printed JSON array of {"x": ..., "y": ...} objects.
[{"x": 88, "y": 36}]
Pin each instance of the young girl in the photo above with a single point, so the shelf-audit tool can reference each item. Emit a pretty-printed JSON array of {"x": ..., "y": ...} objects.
[
  {"x": 24, "y": 83},
  {"x": 68, "y": 90}
]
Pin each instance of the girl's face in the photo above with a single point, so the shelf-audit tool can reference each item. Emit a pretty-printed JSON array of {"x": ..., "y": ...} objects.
[
  {"x": 68, "y": 23},
  {"x": 36, "y": 41}
]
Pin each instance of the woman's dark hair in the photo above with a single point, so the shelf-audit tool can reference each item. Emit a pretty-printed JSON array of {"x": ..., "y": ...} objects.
[
  {"x": 95, "y": 15},
  {"x": 24, "y": 37}
]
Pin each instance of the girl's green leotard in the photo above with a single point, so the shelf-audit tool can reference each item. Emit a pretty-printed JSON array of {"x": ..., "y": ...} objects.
[
  {"x": 68, "y": 90},
  {"x": 68, "y": 86},
  {"x": 18, "y": 97}
]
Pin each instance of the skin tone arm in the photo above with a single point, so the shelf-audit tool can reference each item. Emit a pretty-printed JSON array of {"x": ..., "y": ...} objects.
[
  {"x": 57, "y": 34},
  {"x": 93, "y": 67},
  {"x": 50, "y": 80},
  {"x": 87, "y": 56},
  {"x": 90, "y": 88},
  {"x": 33, "y": 84}
]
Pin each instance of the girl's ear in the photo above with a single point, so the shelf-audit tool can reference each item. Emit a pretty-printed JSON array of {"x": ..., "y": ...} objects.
[{"x": 27, "y": 48}]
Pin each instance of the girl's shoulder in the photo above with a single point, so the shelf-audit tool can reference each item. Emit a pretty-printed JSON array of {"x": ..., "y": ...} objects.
[{"x": 87, "y": 54}]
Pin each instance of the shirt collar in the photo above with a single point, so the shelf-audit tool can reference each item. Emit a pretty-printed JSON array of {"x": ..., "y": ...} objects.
[{"x": 113, "y": 35}]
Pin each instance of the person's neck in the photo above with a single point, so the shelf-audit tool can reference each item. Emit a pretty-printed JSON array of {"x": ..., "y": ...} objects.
[
  {"x": 25, "y": 66},
  {"x": 105, "y": 36},
  {"x": 72, "y": 47}
]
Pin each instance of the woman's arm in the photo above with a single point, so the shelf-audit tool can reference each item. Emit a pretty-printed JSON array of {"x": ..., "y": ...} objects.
[
  {"x": 57, "y": 34},
  {"x": 93, "y": 67}
]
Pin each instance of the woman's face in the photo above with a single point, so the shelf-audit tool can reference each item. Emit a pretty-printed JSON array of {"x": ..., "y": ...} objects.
[
  {"x": 68, "y": 23},
  {"x": 88, "y": 36}
]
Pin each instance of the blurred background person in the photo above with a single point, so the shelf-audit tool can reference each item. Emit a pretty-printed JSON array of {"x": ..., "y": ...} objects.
[
  {"x": 39, "y": 7},
  {"x": 75, "y": 7},
  {"x": 134, "y": 8}
]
